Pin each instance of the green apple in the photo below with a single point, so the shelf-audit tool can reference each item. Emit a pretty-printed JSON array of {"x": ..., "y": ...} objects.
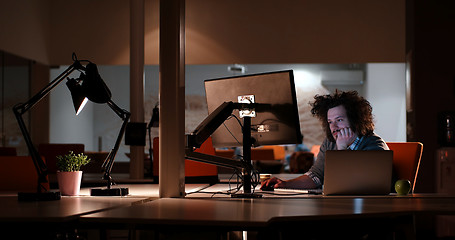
[{"x": 402, "y": 186}]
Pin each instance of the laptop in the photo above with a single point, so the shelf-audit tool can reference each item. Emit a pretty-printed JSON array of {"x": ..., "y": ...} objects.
[{"x": 359, "y": 172}]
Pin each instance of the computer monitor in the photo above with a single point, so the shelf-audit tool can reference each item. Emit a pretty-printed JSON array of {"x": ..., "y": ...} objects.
[{"x": 277, "y": 124}]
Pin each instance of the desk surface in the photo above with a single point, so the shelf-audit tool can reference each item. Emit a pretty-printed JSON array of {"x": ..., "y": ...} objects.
[
  {"x": 260, "y": 212},
  {"x": 143, "y": 207},
  {"x": 66, "y": 209},
  {"x": 71, "y": 207}
]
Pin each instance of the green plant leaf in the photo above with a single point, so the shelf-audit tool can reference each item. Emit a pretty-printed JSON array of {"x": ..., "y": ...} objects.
[{"x": 72, "y": 162}]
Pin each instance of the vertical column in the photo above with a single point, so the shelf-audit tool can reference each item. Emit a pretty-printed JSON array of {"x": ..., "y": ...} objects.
[
  {"x": 172, "y": 98},
  {"x": 137, "y": 82}
]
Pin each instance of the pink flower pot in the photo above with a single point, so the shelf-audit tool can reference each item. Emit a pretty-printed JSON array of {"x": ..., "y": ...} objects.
[{"x": 69, "y": 183}]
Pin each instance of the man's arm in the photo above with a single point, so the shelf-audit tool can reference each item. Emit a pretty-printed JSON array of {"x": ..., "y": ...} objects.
[{"x": 302, "y": 182}]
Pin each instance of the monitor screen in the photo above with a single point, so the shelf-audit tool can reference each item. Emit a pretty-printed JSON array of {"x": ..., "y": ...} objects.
[{"x": 278, "y": 124}]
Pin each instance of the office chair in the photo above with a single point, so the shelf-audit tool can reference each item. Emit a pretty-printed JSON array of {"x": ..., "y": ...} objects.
[
  {"x": 195, "y": 172},
  {"x": 301, "y": 162},
  {"x": 406, "y": 160},
  {"x": 8, "y": 151},
  {"x": 18, "y": 173},
  {"x": 315, "y": 150}
]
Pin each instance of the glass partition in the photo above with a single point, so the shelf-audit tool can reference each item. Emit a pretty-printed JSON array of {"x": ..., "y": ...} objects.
[{"x": 15, "y": 88}]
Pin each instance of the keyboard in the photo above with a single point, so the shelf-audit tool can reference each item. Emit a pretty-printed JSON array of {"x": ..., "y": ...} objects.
[{"x": 293, "y": 190}]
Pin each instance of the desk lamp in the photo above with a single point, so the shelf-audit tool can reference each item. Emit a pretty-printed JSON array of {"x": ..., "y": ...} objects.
[{"x": 89, "y": 86}]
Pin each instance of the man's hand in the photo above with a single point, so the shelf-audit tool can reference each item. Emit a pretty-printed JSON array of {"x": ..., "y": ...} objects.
[
  {"x": 272, "y": 182},
  {"x": 344, "y": 138}
]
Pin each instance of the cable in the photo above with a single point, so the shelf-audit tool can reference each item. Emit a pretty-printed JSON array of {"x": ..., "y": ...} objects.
[
  {"x": 231, "y": 190},
  {"x": 240, "y": 123}
]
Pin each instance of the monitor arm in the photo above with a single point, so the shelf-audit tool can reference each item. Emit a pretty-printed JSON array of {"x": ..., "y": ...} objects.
[
  {"x": 209, "y": 126},
  {"x": 205, "y": 129},
  {"x": 215, "y": 160}
]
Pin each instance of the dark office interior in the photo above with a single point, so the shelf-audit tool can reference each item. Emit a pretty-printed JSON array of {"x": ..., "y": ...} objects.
[{"x": 41, "y": 35}]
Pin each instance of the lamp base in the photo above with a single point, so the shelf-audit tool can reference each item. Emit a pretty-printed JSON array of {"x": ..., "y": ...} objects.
[
  {"x": 109, "y": 192},
  {"x": 36, "y": 196}
]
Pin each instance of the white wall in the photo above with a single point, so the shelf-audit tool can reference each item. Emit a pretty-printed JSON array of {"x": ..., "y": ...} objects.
[{"x": 385, "y": 89}]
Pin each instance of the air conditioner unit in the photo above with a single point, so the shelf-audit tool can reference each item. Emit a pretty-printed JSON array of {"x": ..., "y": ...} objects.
[{"x": 342, "y": 77}]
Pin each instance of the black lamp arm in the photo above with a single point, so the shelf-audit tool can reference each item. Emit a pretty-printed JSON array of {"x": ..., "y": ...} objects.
[
  {"x": 40, "y": 166},
  {"x": 109, "y": 161},
  {"x": 22, "y": 108}
]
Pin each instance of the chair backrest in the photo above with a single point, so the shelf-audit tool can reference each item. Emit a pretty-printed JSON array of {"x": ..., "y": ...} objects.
[
  {"x": 279, "y": 152},
  {"x": 301, "y": 161},
  {"x": 50, "y": 151},
  {"x": 192, "y": 168},
  {"x": 315, "y": 150},
  {"x": 227, "y": 153},
  {"x": 18, "y": 173},
  {"x": 262, "y": 154},
  {"x": 406, "y": 160},
  {"x": 8, "y": 151}
]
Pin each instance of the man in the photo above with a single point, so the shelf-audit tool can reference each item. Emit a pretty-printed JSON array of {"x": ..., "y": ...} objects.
[{"x": 348, "y": 121}]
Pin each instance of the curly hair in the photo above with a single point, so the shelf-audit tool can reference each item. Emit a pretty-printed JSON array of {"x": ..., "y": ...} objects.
[{"x": 358, "y": 110}]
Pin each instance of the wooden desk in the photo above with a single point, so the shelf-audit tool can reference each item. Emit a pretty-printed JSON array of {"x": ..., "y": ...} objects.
[
  {"x": 251, "y": 213},
  {"x": 142, "y": 209},
  {"x": 66, "y": 209},
  {"x": 311, "y": 213},
  {"x": 47, "y": 217},
  {"x": 69, "y": 208},
  {"x": 43, "y": 220}
]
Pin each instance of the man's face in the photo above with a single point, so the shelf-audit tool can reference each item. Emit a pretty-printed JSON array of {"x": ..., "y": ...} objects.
[{"x": 337, "y": 119}]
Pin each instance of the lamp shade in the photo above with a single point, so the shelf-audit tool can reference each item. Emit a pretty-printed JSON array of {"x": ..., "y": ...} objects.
[
  {"x": 94, "y": 87},
  {"x": 77, "y": 94}
]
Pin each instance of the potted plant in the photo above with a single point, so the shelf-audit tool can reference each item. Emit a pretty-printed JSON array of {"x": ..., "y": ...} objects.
[{"x": 69, "y": 174}]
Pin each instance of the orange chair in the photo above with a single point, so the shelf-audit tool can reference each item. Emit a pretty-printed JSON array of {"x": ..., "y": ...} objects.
[
  {"x": 268, "y": 159},
  {"x": 227, "y": 153},
  {"x": 406, "y": 160},
  {"x": 195, "y": 172},
  {"x": 315, "y": 150},
  {"x": 18, "y": 173},
  {"x": 8, "y": 151},
  {"x": 279, "y": 152},
  {"x": 262, "y": 154}
]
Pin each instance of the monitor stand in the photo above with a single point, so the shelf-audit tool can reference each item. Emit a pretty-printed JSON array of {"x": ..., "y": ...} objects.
[{"x": 247, "y": 143}]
